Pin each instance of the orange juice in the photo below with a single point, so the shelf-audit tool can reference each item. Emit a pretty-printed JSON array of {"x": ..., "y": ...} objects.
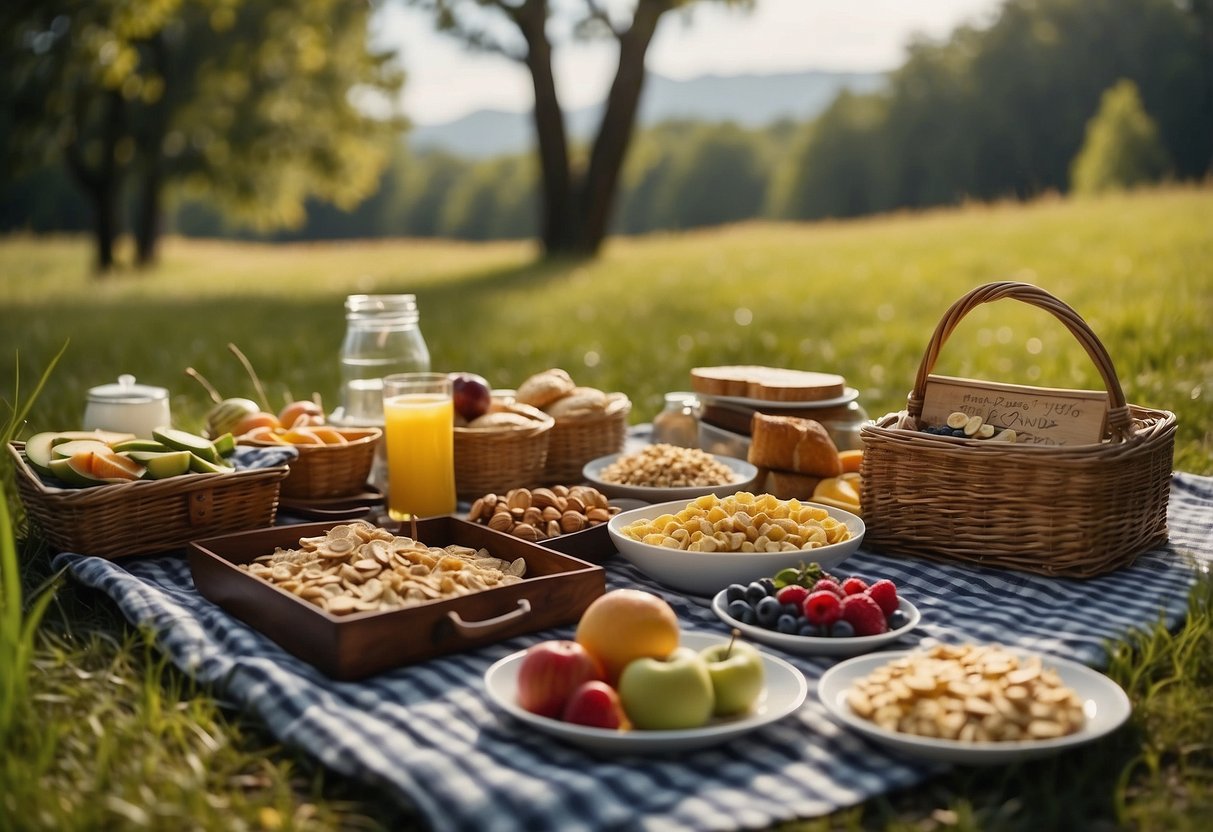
[{"x": 418, "y": 429}]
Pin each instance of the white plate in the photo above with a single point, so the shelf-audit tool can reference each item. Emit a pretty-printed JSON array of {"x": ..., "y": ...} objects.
[
  {"x": 818, "y": 645},
  {"x": 849, "y": 394},
  {"x": 1105, "y": 705},
  {"x": 705, "y": 573},
  {"x": 744, "y": 475},
  {"x": 786, "y": 689}
]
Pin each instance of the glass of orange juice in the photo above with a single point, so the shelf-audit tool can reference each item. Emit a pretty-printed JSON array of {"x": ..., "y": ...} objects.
[{"x": 419, "y": 419}]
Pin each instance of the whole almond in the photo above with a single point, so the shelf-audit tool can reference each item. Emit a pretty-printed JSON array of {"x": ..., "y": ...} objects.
[
  {"x": 501, "y": 521},
  {"x": 597, "y": 515},
  {"x": 518, "y": 498},
  {"x": 572, "y": 521},
  {"x": 553, "y": 528},
  {"x": 526, "y": 531},
  {"x": 533, "y": 516},
  {"x": 560, "y": 490},
  {"x": 477, "y": 511},
  {"x": 543, "y": 497},
  {"x": 574, "y": 503},
  {"x": 551, "y": 513}
]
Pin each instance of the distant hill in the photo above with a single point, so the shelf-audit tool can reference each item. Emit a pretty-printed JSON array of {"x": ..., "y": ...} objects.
[{"x": 749, "y": 100}]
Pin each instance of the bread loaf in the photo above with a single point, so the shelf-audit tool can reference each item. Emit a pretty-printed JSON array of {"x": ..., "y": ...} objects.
[
  {"x": 788, "y": 443},
  {"x": 786, "y": 485},
  {"x": 772, "y": 384}
]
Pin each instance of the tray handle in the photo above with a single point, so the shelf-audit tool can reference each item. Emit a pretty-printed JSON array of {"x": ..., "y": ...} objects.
[
  {"x": 1119, "y": 420},
  {"x": 469, "y": 629}
]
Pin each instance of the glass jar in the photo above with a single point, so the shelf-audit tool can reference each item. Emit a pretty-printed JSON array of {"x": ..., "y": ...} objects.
[
  {"x": 843, "y": 423},
  {"x": 678, "y": 423},
  {"x": 127, "y": 407},
  {"x": 381, "y": 338}
]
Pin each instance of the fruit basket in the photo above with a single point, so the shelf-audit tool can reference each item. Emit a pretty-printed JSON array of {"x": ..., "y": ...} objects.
[
  {"x": 503, "y": 457},
  {"x": 145, "y": 516},
  {"x": 323, "y": 471},
  {"x": 577, "y": 440},
  {"x": 555, "y": 590},
  {"x": 1069, "y": 510}
]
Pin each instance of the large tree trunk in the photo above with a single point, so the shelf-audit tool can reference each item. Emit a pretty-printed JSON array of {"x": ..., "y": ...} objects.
[
  {"x": 150, "y": 141},
  {"x": 557, "y": 223},
  {"x": 147, "y": 218},
  {"x": 101, "y": 184},
  {"x": 597, "y": 192}
]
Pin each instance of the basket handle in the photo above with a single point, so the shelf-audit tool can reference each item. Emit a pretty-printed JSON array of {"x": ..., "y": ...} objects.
[
  {"x": 469, "y": 629},
  {"x": 1119, "y": 421}
]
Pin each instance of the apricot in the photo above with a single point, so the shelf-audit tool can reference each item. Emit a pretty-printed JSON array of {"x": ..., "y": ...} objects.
[
  {"x": 329, "y": 436},
  {"x": 301, "y": 414},
  {"x": 265, "y": 433},
  {"x": 302, "y": 436},
  {"x": 627, "y": 624},
  {"x": 260, "y": 419},
  {"x": 107, "y": 464}
]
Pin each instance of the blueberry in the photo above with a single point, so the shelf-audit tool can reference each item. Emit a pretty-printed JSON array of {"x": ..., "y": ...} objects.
[
  {"x": 793, "y": 610},
  {"x": 734, "y": 592},
  {"x": 807, "y": 629},
  {"x": 842, "y": 629},
  {"x": 768, "y": 584},
  {"x": 897, "y": 620},
  {"x": 958, "y": 432},
  {"x": 741, "y": 611},
  {"x": 755, "y": 592},
  {"x": 786, "y": 624},
  {"x": 768, "y": 611}
]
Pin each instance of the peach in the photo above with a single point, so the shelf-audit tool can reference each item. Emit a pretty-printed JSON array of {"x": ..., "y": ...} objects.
[
  {"x": 627, "y": 624},
  {"x": 301, "y": 414},
  {"x": 329, "y": 436},
  {"x": 260, "y": 419},
  {"x": 302, "y": 436}
]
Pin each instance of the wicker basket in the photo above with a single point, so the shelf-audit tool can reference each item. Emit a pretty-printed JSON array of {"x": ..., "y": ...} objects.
[
  {"x": 1076, "y": 511},
  {"x": 576, "y": 441},
  {"x": 145, "y": 516},
  {"x": 323, "y": 471},
  {"x": 490, "y": 461}
]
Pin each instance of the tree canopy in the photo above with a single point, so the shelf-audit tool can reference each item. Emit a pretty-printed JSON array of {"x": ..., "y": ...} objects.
[{"x": 1122, "y": 146}]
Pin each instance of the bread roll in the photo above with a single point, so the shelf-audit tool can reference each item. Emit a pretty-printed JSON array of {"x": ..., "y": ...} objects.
[
  {"x": 789, "y": 443},
  {"x": 541, "y": 389},
  {"x": 580, "y": 402}
]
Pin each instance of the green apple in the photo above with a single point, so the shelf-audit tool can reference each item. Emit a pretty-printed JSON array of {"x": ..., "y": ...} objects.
[
  {"x": 164, "y": 464},
  {"x": 667, "y": 694},
  {"x": 737, "y": 676}
]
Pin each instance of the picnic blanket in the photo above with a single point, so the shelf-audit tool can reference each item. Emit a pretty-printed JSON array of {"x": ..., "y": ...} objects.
[{"x": 428, "y": 736}]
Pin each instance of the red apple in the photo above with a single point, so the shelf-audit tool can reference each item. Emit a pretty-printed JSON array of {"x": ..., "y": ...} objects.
[
  {"x": 597, "y": 705},
  {"x": 472, "y": 395},
  {"x": 550, "y": 672}
]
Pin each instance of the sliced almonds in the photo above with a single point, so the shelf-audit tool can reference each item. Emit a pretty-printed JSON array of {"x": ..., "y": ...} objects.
[
  {"x": 358, "y": 567},
  {"x": 968, "y": 693}
]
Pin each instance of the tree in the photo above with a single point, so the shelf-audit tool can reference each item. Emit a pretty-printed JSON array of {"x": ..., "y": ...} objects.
[
  {"x": 248, "y": 103},
  {"x": 717, "y": 177},
  {"x": 1122, "y": 148},
  {"x": 576, "y": 200}
]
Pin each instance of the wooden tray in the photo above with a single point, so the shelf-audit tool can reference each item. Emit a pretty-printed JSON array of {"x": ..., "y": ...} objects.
[{"x": 557, "y": 589}]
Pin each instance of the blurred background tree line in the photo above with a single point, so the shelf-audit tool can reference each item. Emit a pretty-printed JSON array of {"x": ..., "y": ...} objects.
[{"x": 1054, "y": 95}]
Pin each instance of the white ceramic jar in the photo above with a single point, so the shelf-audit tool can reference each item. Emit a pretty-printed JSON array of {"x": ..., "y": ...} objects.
[{"x": 127, "y": 407}]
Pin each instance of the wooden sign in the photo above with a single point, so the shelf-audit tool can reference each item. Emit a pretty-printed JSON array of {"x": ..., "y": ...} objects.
[{"x": 1038, "y": 415}]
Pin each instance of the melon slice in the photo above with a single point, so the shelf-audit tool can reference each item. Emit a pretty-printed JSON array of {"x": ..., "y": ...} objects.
[{"x": 111, "y": 465}]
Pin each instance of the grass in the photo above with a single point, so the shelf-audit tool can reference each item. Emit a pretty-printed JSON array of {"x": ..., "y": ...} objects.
[{"x": 858, "y": 298}]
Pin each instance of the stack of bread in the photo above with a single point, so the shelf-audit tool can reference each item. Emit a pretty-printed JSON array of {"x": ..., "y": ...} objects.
[
  {"x": 589, "y": 422},
  {"x": 796, "y": 458}
]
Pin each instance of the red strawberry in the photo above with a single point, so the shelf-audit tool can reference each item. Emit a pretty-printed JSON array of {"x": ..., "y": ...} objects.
[
  {"x": 792, "y": 594},
  {"x": 822, "y": 608},
  {"x": 884, "y": 593},
  {"x": 863, "y": 613},
  {"x": 828, "y": 584},
  {"x": 853, "y": 586}
]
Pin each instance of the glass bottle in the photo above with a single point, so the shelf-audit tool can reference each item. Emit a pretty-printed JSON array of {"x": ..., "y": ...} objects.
[
  {"x": 678, "y": 423},
  {"x": 843, "y": 423},
  {"x": 382, "y": 338}
]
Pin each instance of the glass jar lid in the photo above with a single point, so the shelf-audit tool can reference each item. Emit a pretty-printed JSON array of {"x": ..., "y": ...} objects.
[
  {"x": 382, "y": 307},
  {"x": 126, "y": 391}
]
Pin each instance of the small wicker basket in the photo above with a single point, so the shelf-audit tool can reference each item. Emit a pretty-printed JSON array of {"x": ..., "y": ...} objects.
[
  {"x": 146, "y": 516},
  {"x": 578, "y": 440},
  {"x": 323, "y": 471},
  {"x": 1076, "y": 511},
  {"x": 498, "y": 459}
]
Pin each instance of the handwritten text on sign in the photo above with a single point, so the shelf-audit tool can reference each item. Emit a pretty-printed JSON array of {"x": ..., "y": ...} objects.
[{"x": 1038, "y": 415}]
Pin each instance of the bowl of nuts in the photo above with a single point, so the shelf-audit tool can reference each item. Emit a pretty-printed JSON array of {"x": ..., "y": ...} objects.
[
  {"x": 661, "y": 473},
  {"x": 710, "y": 542},
  {"x": 568, "y": 519}
]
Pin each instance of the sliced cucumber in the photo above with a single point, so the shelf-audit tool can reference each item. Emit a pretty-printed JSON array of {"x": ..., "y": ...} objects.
[
  {"x": 163, "y": 465},
  {"x": 182, "y": 441}
]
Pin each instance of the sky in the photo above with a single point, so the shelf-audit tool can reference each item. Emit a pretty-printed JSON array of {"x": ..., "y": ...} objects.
[{"x": 446, "y": 81}]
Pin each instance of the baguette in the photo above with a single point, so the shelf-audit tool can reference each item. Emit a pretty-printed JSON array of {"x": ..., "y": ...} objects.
[{"x": 789, "y": 443}]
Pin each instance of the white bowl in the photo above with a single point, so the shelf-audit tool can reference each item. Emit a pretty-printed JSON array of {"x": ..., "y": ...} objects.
[
  {"x": 705, "y": 573},
  {"x": 744, "y": 475}
]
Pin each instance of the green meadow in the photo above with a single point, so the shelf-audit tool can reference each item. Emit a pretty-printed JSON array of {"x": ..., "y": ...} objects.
[{"x": 129, "y": 743}]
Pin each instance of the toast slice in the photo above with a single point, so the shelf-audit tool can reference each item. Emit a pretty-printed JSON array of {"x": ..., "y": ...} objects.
[{"x": 772, "y": 384}]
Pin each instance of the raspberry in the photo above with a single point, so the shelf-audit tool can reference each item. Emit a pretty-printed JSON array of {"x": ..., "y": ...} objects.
[
  {"x": 884, "y": 593},
  {"x": 853, "y": 586},
  {"x": 822, "y": 608},
  {"x": 792, "y": 594},
  {"x": 863, "y": 613},
  {"x": 828, "y": 584}
]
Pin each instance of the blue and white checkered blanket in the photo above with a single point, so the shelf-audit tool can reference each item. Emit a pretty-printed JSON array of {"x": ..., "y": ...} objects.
[{"x": 428, "y": 735}]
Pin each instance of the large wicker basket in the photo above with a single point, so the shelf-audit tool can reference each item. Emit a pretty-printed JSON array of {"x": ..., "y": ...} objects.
[
  {"x": 578, "y": 440},
  {"x": 323, "y": 471},
  {"x": 1077, "y": 511},
  {"x": 495, "y": 460},
  {"x": 145, "y": 516}
]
